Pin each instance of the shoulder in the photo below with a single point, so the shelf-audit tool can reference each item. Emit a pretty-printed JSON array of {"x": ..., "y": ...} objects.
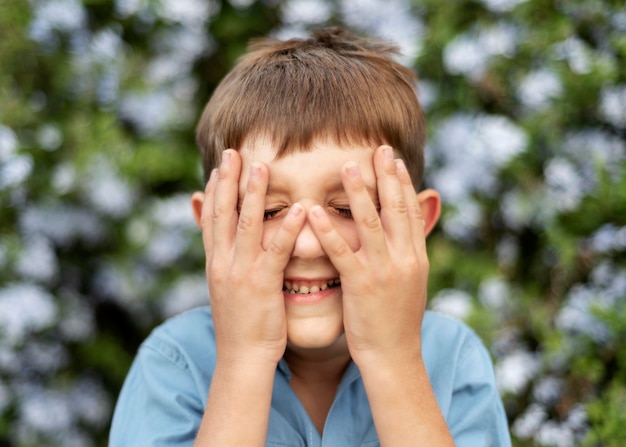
[
  {"x": 450, "y": 347},
  {"x": 442, "y": 330},
  {"x": 185, "y": 339}
]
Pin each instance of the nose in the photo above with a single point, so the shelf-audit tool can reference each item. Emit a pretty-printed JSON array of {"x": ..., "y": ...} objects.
[{"x": 307, "y": 244}]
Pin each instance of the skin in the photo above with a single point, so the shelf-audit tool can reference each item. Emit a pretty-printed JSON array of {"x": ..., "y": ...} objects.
[{"x": 334, "y": 212}]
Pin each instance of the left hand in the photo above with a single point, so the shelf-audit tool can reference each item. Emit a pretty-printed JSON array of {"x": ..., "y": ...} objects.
[{"x": 384, "y": 282}]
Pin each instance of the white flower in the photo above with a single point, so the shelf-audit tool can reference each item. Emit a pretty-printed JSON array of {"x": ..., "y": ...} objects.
[
  {"x": 565, "y": 187},
  {"x": 150, "y": 112},
  {"x": 453, "y": 302},
  {"x": 38, "y": 260},
  {"x": 44, "y": 357},
  {"x": 62, "y": 224},
  {"x": 465, "y": 55},
  {"x": 469, "y": 151},
  {"x": 577, "y": 317},
  {"x": 127, "y": 8},
  {"x": 515, "y": 370},
  {"x": 186, "y": 293},
  {"x": 306, "y": 12},
  {"x": 577, "y": 54},
  {"x": 469, "y": 54},
  {"x": 90, "y": 402},
  {"x": 77, "y": 322},
  {"x": 187, "y": 12},
  {"x": 46, "y": 411},
  {"x": 49, "y": 137},
  {"x": 495, "y": 293},
  {"x": 501, "y": 5},
  {"x": 526, "y": 425},
  {"x": 553, "y": 434},
  {"x": 462, "y": 222},
  {"x": 8, "y": 142},
  {"x": 548, "y": 390},
  {"x": 15, "y": 170},
  {"x": 56, "y": 15},
  {"x": 63, "y": 178},
  {"x": 538, "y": 88},
  {"x": 518, "y": 208},
  {"x": 613, "y": 105},
  {"x": 387, "y": 19},
  {"x": 24, "y": 308},
  {"x": 165, "y": 247},
  {"x": 106, "y": 190},
  {"x": 172, "y": 212}
]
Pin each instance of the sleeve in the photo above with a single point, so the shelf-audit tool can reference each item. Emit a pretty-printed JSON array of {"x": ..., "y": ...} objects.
[
  {"x": 476, "y": 416},
  {"x": 159, "y": 404}
]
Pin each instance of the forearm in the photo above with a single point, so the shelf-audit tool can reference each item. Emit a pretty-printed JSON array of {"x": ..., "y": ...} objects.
[
  {"x": 238, "y": 407},
  {"x": 404, "y": 407}
]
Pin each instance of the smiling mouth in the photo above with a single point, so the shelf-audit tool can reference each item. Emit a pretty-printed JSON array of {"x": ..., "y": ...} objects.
[{"x": 304, "y": 289}]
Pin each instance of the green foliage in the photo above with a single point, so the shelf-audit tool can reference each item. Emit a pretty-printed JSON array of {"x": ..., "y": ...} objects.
[{"x": 526, "y": 115}]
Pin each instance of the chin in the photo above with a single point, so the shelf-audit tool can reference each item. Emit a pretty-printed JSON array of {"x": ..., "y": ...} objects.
[{"x": 314, "y": 334}]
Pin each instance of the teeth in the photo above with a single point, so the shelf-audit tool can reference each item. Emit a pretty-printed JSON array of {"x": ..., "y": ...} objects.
[{"x": 294, "y": 288}]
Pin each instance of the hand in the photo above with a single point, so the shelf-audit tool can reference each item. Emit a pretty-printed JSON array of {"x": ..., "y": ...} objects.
[
  {"x": 384, "y": 282},
  {"x": 245, "y": 278}
]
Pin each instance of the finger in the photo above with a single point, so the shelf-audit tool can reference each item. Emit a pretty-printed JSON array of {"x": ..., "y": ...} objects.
[
  {"x": 335, "y": 247},
  {"x": 416, "y": 218},
  {"x": 250, "y": 223},
  {"x": 206, "y": 217},
  {"x": 393, "y": 202},
  {"x": 282, "y": 244},
  {"x": 225, "y": 214},
  {"x": 364, "y": 211}
]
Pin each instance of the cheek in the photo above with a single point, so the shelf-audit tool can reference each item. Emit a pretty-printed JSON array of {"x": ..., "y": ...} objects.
[{"x": 347, "y": 229}]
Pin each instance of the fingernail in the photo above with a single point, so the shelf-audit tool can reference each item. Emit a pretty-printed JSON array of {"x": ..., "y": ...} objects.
[
  {"x": 254, "y": 169},
  {"x": 225, "y": 157},
  {"x": 353, "y": 169},
  {"x": 400, "y": 166},
  {"x": 317, "y": 211},
  {"x": 388, "y": 152},
  {"x": 295, "y": 210}
]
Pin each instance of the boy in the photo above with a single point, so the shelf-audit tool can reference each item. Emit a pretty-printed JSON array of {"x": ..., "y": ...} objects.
[{"x": 314, "y": 235}]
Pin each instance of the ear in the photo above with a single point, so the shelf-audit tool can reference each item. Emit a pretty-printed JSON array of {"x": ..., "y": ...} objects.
[
  {"x": 430, "y": 203},
  {"x": 197, "y": 200}
]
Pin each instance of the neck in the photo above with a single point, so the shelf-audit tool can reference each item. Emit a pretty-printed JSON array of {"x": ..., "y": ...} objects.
[
  {"x": 315, "y": 376},
  {"x": 318, "y": 365}
]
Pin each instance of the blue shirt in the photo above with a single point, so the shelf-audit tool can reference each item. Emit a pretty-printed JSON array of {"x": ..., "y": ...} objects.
[{"x": 164, "y": 396}]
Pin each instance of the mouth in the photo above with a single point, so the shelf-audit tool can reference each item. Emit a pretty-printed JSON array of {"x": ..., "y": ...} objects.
[{"x": 295, "y": 287}]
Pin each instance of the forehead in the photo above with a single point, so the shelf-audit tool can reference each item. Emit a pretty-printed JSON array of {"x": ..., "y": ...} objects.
[
  {"x": 263, "y": 149},
  {"x": 321, "y": 163}
]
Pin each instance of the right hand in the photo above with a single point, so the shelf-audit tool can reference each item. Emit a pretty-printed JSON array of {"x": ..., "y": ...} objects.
[{"x": 245, "y": 278}]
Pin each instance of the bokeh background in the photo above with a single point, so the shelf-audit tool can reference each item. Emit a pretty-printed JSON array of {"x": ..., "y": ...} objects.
[{"x": 526, "y": 105}]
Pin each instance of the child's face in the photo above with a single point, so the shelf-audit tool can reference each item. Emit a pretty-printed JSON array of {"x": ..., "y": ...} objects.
[{"x": 312, "y": 295}]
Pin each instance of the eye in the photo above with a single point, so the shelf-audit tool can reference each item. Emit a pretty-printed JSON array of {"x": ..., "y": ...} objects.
[
  {"x": 270, "y": 214},
  {"x": 344, "y": 212}
]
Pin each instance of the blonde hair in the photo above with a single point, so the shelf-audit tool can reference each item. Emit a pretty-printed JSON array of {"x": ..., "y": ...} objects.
[{"x": 332, "y": 85}]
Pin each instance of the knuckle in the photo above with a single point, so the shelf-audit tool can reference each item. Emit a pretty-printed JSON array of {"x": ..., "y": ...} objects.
[
  {"x": 277, "y": 249},
  {"x": 399, "y": 205},
  {"x": 245, "y": 222},
  {"x": 340, "y": 248},
  {"x": 219, "y": 212},
  {"x": 371, "y": 221}
]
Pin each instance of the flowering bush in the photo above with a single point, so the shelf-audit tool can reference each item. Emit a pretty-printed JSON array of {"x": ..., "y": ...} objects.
[{"x": 527, "y": 118}]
